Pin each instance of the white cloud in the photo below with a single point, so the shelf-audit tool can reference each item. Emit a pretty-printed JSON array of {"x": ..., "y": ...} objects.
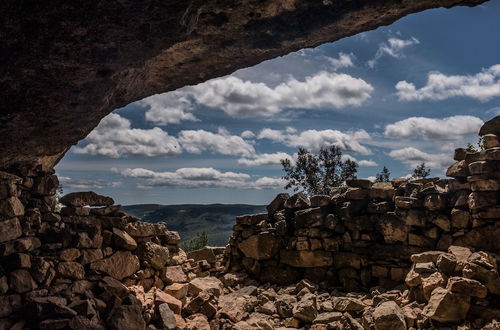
[
  {"x": 114, "y": 137},
  {"x": 196, "y": 141},
  {"x": 200, "y": 178},
  {"x": 271, "y": 134},
  {"x": 266, "y": 159},
  {"x": 449, "y": 128},
  {"x": 393, "y": 47},
  {"x": 313, "y": 140},
  {"x": 247, "y": 134},
  {"x": 169, "y": 108},
  {"x": 413, "y": 156},
  {"x": 67, "y": 182},
  {"x": 240, "y": 98},
  {"x": 344, "y": 61},
  {"x": 482, "y": 86},
  {"x": 367, "y": 163}
]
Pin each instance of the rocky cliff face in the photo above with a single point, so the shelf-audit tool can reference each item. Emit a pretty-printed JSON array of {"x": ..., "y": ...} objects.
[{"x": 64, "y": 66}]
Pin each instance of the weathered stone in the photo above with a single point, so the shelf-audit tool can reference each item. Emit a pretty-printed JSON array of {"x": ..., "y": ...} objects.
[
  {"x": 210, "y": 285},
  {"x": 382, "y": 190},
  {"x": 347, "y": 304},
  {"x": 460, "y": 219},
  {"x": 320, "y": 200},
  {"x": 297, "y": 201},
  {"x": 261, "y": 246},
  {"x": 328, "y": 317},
  {"x": 90, "y": 255},
  {"x": 393, "y": 228},
  {"x": 173, "y": 303},
  {"x": 490, "y": 141},
  {"x": 20, "y": 281},
  {"x": 173, "y": 274},
  {"x": 167, "y": 317},
  {"x": 432, "y": 281},
  {"x": 311, "y": 217},
  {"x": 485, "y": 185},
  {"x": 123, "y": 240},
  {"x": 126, "y": 317},
  {"x": 306, "y": 309},
  {"x": 10, "y": 229},
  {"x": 484, "y": 167},
  {"x": 237, "y": 305},
  {"x": 427, "y": 256},
  {"x": 145, "y": 229},
  {"x": 251, "y": 219},
  {"x": 388, "y": 316},
  {"x": 447, "y": 307},
  {"x": 177, "y": 290},
  {"x": 11, "y": 207},
  {"x": 435, "y": 202},
  {"x": 46, "y": 185},
  {"x": 306, "y": 258},
  {"x": 71, "y": 269},
  {"x": 356, "y": 193},
  {"x": 69, "y": 254},
  {"x": 85, "y": 198},
  {"x": 277, "y": 204},
  {"x": 153, "y": 255},
  {"x": 492, "y": 126},
  {"x": 467, "y": 287},
  {"x": 407, "y": 202},
  {"x": 120, "y": 265},
  {"x": 206, "y": 253},
  {"x": 458, "y": 170},
  {"x": 459, "y": 154},
  {"x": 197, "y": 322}
]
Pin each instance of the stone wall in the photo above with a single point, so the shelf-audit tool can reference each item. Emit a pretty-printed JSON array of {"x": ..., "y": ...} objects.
[
  {"x": 364, "y": 233},
  {"x": 87, "y": 265}
]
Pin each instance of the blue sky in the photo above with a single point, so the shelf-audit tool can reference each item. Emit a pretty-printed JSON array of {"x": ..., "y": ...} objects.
[{"x": 396, "y": 96}]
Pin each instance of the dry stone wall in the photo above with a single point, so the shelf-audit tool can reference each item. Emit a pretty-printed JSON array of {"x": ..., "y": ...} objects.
[
  {"x": 364, "y": 233},
  {"x": 87, "y": 265}
]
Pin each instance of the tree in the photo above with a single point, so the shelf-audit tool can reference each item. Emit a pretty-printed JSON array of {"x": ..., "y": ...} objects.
[
  {"x": 383, "y": 176},
  {"x": 199, "y": 241},
  {"x": 317, "y": 174},
  {"x": 421, "y": 172}
]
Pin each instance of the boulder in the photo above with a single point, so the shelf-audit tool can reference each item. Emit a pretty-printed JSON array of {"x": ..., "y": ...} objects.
[
  {"x": 126, "y": 317},
  {"x": 120, "y": 265},
  {"x": 145, "y": 229},
  {"x": 492, "y": 126},
  {"x": 211, "y": 285},
  {"x": 20, "y": 281},
  {"x": 306, "y": 309},
  {"x": 167, "y": 317},
  {"x": 206, "y": 253},
  {"x": 297, "y": 201},
  {"x": 197, "y": 322},
  {"x": 237, "y": 305},
  {"x": 466, "y": 286},
  {"x": 161, "y": 297},
  {"x": 277, "y": 204},
  {"x": 447, "y": 307},
  {"x": 173, "y": 274},
  {"x": 11, "y": 207},
  {"x": 153, "y": 255},
  {"x": 177, "y": 290},
  {"x": 71, "y": 269},
  {"x": 10, "y": 229},
  {"x": 458, "y": 170},
  {"x": 84, "y": 198},
  {"x": 261, "y": 246},
  {"x": 306, "y": 259},
  {"x": 382, "y": 190},
  {"x": 388, "y": 316},
  {"x": 393, "y": 228},
  {"x": 347, "y": 304},
  {"x": 122, "y": 240}
]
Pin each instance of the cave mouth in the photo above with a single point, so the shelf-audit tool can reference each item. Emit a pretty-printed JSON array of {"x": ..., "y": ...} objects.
[{"x": 356, "y": 93}]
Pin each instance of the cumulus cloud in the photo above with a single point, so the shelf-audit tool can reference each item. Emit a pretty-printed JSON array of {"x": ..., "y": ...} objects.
[
  {"x": 239, "y": 98},
  {"x": 313, "y": 140},
  {"x": 271, "y": 134},
  {"x": 482, "y": 86},
  {"x": 449, "y": 128},
  {"x": 67, "y": 182},
  {"x": 200, "y": 178},
  {"x": 266, "y": 159},
  {"x": 367, "y": 163},
  {"x": 413, "y": 156},
  {"x": 343, "y": 61},
  {"x": 169, "y": 108},
  {"x": 114, "y": 137},
  {"x": 196, "y": 141},
  {"x": 247, "y": 134},
  {"x": 393, "y": 47}
]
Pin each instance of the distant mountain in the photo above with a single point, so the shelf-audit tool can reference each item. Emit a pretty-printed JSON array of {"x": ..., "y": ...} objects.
[{"x": 216, "y": 219}]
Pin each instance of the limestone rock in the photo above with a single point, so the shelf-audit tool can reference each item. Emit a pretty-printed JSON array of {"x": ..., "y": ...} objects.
[
  {"x": 120, "y": 265},
  {"x": 388, "y": 316},
  {"x": 10, "y": 229},
  {"x": 261, "y": 246},
  {"x": 446, "y": 306},
  {"x": 123, "y": 240},
  {"x": 84, "y": 198}
]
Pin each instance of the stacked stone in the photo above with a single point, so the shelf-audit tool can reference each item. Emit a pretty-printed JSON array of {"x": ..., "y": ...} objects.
[
  {"x": 362, "y": 234},
  {"x": 75, "y": 268},
  {"x": 209, "y": 261},
  {"x": 455, "y": 286}
]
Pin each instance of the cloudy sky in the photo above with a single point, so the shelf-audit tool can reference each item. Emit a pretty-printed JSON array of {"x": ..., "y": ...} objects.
[{"x": 395, "y": 97}]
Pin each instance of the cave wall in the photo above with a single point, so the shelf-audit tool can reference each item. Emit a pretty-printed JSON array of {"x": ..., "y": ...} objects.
[
  {"x": 66, "y": 65},
  {"x": 364, "y": 234}
]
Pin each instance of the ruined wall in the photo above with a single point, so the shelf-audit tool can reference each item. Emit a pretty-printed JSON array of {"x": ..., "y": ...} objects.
[
  {"x": 364, "y": 234},
  {"x": 72, "y": 268}
]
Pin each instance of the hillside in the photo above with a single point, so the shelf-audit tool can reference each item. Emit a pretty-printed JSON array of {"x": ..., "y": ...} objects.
[{"x": 216, "y": 219}]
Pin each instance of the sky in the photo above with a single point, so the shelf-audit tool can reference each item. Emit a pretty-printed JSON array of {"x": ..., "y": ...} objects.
[{"x": 396, "y": 96}]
